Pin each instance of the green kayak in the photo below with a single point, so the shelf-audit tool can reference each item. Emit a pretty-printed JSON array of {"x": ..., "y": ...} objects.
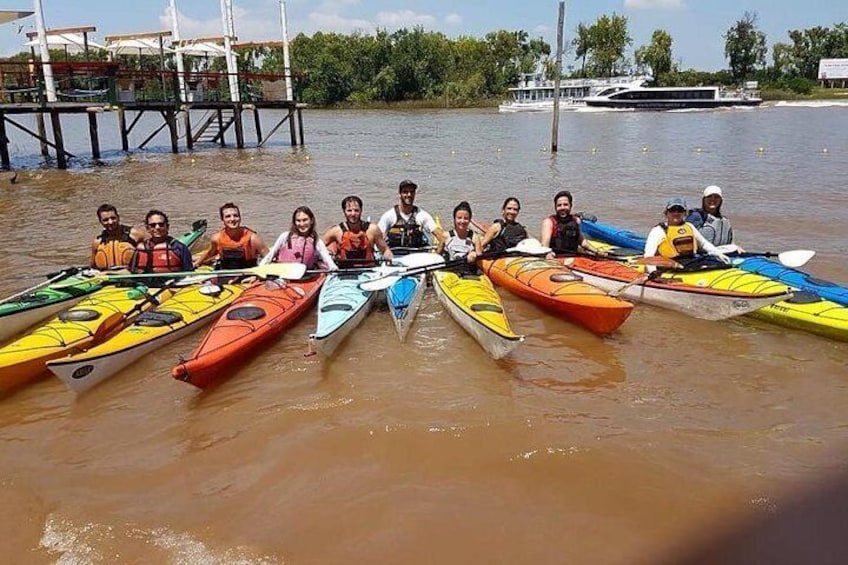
[{"x": 29, "y": 309}]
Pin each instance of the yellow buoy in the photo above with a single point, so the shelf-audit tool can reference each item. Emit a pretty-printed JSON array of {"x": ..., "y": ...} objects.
[
  {"x": 824, "y": 150},
  {"x": 644, "y": 150}
]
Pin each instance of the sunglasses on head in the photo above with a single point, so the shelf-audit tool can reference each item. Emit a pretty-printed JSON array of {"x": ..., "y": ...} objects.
[{"x": 156, "y": 224}]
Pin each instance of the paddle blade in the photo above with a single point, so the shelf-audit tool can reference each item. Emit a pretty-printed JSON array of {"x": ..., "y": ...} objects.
[
  {"x": 416, "y": 260},
  {"x": 289, "y": 271},
  {"x": 529, "y": 246},
  {"x": 796, "y": 258},
  {"x": 379, "y": 284}
]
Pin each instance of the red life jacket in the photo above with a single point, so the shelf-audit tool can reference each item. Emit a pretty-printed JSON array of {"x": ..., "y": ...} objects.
[
  {"x": 157, "y": 257},
  {"x": 355, "y": 246}
]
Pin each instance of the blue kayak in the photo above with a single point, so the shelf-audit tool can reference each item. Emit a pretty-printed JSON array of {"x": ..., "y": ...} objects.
[
  {"x": 759, "y": 265},
  {"x": 404, "y": 298}
]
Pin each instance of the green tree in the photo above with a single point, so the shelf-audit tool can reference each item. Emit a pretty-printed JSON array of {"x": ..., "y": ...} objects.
[
  {"x": 656, "y": 56},
  {"x": 609, "y": 40},
  {"x": 582, "y": 43},
  {"x": 745, "y": 47}
]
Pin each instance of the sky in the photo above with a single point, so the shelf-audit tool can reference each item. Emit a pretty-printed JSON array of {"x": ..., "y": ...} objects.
[{"x": 696, "y": 26}]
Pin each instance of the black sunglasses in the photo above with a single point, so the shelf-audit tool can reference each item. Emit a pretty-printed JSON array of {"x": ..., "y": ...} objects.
[
  {"x": 677, "y": 209},
  {"x": 157, "y": 224}
]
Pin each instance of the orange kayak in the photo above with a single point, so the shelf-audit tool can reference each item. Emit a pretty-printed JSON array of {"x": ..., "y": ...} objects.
[
  {"x": 558, "y": 290},
  {"x": 250, "y": 323}
]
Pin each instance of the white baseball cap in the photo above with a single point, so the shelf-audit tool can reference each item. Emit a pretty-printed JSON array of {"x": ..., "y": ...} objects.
[{"x": 712, "y": 189}]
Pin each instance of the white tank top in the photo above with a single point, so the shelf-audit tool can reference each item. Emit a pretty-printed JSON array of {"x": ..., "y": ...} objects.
[{"x": 457, "y": 247}]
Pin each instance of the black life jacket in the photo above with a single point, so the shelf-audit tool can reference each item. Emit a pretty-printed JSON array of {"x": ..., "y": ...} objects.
[
  {"x": 406, "y": 233},
  {"x": 566, "y": 235},
  {"x": 509, "y": 236}
]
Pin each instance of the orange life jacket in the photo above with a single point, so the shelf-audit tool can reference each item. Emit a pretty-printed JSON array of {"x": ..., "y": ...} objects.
[{"x": 236, "y": 253}]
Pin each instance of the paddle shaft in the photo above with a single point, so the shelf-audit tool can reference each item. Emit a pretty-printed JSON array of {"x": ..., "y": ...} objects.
[{"x": 55, "y": 277}]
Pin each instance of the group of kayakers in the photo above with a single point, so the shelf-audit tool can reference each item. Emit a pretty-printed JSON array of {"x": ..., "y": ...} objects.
[{"x": 402, "y": 229}]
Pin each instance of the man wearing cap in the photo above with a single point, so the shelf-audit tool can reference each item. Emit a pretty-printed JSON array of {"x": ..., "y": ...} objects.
[
  {"x": 708, "y": 219},
  {"x": 406, "y": 226},
  {"x": 677, "y": 239}
]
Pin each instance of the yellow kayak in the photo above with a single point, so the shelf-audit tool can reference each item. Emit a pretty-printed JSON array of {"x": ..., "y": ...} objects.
[
  {"x": 184, "y": 312},
  {"x": 804, "y": 311},
  {"x": 89, "y": 322},
  {"x": 475, "y": 305}
]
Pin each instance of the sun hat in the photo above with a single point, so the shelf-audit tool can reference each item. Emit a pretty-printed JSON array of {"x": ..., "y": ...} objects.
[{"x": 712, "y": 189}]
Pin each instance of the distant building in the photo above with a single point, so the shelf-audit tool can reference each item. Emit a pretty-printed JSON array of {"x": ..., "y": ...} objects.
[{"x": 833, "y": 72}]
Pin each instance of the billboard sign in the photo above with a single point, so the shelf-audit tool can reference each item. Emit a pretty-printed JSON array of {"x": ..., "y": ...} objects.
[{"x": 833, "y": 69}]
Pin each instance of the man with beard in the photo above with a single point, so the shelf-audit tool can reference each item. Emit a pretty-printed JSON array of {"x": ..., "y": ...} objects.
[
  {"x": 406, "y": 226},
  {"x": 114, "y": 247},
  {"x": 561, "y": 231},
  {"x": 353, "y": 240}
]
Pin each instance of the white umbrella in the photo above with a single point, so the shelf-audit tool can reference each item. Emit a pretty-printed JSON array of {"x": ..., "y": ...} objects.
[
  {"x": 202, "y": 49},
  {"x": 72, "y": 42},
  {"x": 136, "y": 47}
]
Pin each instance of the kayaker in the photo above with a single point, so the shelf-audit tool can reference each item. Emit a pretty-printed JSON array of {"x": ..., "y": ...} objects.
[
  {"x": 161, "y": 253},
  {"x": 677, "y": 239},
  {"x": 355, "y": 238},
  {"x": 406, "y": 226},
  {"x": 505, "y": 233},
  {"x": 235, "y": 246},
  {"x": 561, "y": 230},
  {"x": 709, "y": 220},
  {"x": 115, "y": 245},
  {"x": 461, "y": 241},
  {"x": 301, "y": 244}
]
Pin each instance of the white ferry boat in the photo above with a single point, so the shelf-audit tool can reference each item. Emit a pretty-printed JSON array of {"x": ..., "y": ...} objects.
[
  {"x": 536, "y": 94},
  {"x": 673, "y": 98}
]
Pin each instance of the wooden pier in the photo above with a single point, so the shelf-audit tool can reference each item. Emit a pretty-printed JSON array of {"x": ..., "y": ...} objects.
[{"x": 227, "y": 117}]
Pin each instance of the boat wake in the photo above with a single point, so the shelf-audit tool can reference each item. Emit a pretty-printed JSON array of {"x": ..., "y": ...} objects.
[{"x": 811, "y": 103}]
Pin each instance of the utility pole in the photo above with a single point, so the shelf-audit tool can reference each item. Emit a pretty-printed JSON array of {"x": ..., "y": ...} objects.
[
  {"x": 175, "y": 33},
  {"x": 286, "y": 61},
  {"x": 229, "y": 33},
  {"x": 557, "y": 78},
  {"x": 49, "y": 85}
]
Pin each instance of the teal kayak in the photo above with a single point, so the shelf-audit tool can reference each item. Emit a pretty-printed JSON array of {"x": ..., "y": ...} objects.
[
  {"x": 27, "y": 310},
  {"x": 341, "y": 308}
]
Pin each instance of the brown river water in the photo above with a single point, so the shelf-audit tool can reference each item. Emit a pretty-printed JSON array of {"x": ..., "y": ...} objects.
[{"x": 575, "y": 449}]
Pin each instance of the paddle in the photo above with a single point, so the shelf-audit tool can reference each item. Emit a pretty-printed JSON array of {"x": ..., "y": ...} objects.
[
  {"x": 63, "y": 274},
  {"x": 524, "y": 247},
  {"x": 291, "y": 271},
  {"x": 793, "y": 258}
]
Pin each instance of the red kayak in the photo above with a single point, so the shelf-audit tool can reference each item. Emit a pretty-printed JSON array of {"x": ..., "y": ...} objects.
[
  {"x": 255, "y": 319},
  {"x": 559, "y": 291}
]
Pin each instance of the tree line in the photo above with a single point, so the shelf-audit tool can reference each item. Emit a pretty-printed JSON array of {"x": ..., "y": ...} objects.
[{"x": 419, "y": 65}]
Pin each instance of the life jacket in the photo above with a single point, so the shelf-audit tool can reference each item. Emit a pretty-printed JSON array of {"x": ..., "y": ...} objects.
[
  {"x": 679, "y": 241},
  {"x": 159, "y": 257},
  {"x": 406, "y": 233},
  {"x": 236, "y": 254},
  {"x": 566, "y": 235},
  {"x": 112, "y": 252},
  {"x": 509, "y": 236},
  {"x": 457, "y": 248},
  {"x": 716, "y": 229},
  {"x": 298, "y": 249},
  {"x": 355, "y": 246}
]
